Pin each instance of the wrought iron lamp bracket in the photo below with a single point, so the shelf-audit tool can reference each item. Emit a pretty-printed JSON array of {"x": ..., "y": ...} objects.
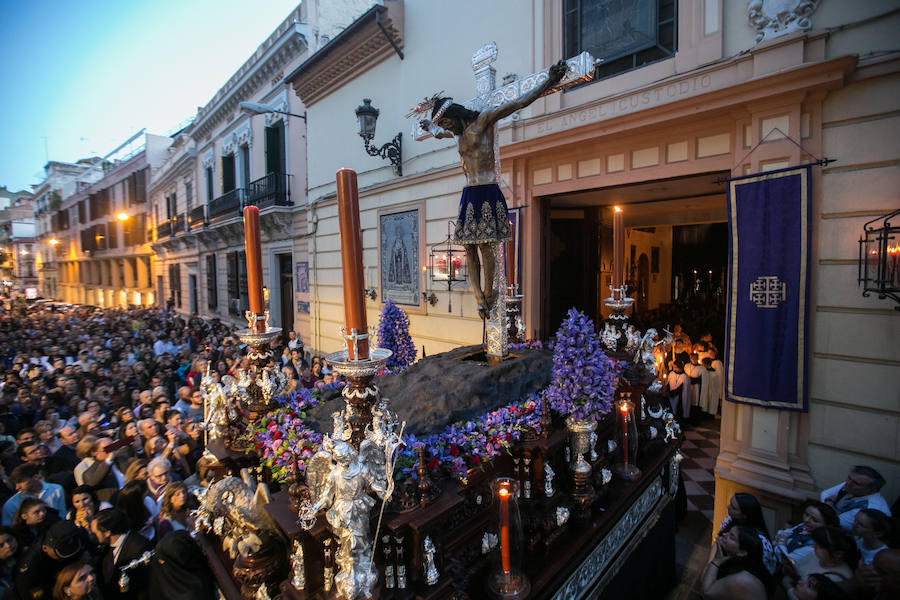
[{"x": 392, "y": 151}]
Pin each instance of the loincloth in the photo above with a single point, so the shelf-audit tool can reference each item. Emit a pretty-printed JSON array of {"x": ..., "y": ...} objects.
[{"x": 482, "y": 216}]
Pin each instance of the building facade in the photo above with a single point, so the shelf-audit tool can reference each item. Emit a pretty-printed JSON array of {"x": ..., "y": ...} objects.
[
  {"x": 230, "y": 158},
  {"x": 103, "y": 256},
  {"x": 708, "y": 90},
  {"x": 18, "y": 271}
]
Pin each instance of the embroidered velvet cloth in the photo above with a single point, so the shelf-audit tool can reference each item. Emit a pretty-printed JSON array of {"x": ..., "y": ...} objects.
[{"x": 482, "y": 216}]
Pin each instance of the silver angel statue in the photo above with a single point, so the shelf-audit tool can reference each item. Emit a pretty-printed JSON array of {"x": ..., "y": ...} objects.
[
  {"x": 610, "y": 337},
  {"x": 341, "y": 479},
  {"x": 632, "y": 339},
  {"x": 215, "y": 421}
]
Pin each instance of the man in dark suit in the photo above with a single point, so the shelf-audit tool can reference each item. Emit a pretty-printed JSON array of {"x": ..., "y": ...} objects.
[
  {"x": 107, "y": 474},
  {"x": 64, "y": 459},
  {"x": 120, "y": 546}
]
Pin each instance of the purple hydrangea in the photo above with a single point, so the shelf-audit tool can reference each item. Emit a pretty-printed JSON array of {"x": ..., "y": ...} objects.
[
  {"x": 583, "y": 379},
  {"x": 393, "y": 334}
]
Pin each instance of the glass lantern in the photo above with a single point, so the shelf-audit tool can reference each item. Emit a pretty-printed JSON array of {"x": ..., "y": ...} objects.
[
  {"x": 506, "y": 580},
  {"x": 626, "y": 428}
]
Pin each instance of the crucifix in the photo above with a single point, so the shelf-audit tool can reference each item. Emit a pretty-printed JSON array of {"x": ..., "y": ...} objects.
[{"x": 483, "y": 226}]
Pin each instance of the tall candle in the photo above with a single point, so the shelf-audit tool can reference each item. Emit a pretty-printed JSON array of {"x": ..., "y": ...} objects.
[
  {"x": 504, "y": 529},
  {"x": 511, "y": 258},
  {"x": 254, "y": 266},
  {"x": 351, "y": 262},
  {"x": 618, "y": 247},
  {"x": 623, "y": 408}
]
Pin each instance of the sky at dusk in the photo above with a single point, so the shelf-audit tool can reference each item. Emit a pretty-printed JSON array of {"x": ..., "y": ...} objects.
[{"x": 80, "y": 78}]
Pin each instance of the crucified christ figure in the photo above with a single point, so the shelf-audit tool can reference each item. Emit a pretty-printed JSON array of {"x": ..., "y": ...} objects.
[{"x": 482, "y": 220}]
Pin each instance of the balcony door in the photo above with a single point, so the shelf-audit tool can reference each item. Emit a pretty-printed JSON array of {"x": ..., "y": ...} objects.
[{"x": 275, "y": 154}]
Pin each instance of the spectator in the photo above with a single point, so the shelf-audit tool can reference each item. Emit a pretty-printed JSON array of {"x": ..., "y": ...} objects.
[
  {"x": 111, "y": 527},
  {"x": 84, "y": 507},
  {"x": 9, "y": 555},
  {"x": 29, "y": 483},
  {"x": 835, "y": 555},
  {"x": 30, "y": 521},
  {"x": 744, "y": 509},
  {"x": 795, "y": 543},
  {"x": 860, "y": 490},
  {"x": 872, "y": 529},
  {"x": 735, "y": 568},
  {"x": 76, "y": 582},
  {"x": 138, "y": 507},
  {"x": 819, "y": 587},
  {"x": 178, "y": 571},
  {"x": 174, "y": 509},
  {"x": 38, "y": 568},
  {"x": 106, "y": 474}
]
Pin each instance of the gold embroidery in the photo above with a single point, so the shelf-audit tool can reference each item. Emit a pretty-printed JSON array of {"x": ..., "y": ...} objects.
[{"x": 767, "y": 292}]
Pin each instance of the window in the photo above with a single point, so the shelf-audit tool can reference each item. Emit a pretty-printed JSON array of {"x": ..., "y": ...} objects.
[
  {"x": 245, "y": 166},
  {"x": 212, "y": 292},
  {"x": 175, "y": 283},
  {"x": 112, "y": 235},
  {"x": 228, "y": 178},
  {"x": 188, "y": 195},
  {"x": 626, "y": 34},
  {"x": 238, "y": 297},
  {"x": 275, "y": 148},
  {"x": 209, "y": 185}
]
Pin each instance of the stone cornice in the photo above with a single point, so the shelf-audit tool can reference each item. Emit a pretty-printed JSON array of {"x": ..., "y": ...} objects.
[
  {"x": 359, "y": 47},
  {"x": 184, "y": 163},
  {"x": 245, "y": 84}
]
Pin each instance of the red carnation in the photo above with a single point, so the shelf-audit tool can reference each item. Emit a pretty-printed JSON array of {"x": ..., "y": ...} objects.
[
  {"x": 433, "y": 463},
  {"x": 476, "y": 459},
  {"x": 454, "y": 450}
]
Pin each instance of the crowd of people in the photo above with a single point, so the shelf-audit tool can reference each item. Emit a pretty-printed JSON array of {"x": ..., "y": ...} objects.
[
  {"x": 101, "y": 445},
  {"x": 845, "y": 547}
]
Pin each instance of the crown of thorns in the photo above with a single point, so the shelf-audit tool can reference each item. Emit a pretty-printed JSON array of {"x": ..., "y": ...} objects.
[{"x": 427, "y": 105}]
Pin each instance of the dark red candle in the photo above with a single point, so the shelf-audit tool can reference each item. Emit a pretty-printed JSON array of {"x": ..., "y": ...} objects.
[
  {"x": 254, "y": 266},
  {"x": 351, "y": 262}
]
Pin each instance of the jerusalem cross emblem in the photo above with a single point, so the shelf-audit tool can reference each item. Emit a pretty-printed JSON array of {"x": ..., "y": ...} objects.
[{"x": 767, "y": 292}]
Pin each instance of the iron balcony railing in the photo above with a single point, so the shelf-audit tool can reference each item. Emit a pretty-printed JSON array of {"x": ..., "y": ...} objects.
[
  {"x": 164, "y": 230},
  {"x": 197, "y": 217},
  {"x": 228, "y": 204},
  {"x": 272, "y": 190},
  {"x": 178, "y": 224}
]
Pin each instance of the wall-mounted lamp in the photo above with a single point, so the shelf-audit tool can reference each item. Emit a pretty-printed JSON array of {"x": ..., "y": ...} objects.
[
  {"x": 258, "y": 108},
  {"x": 122, "y": 216},
  {"x": 366, "y": 116},
  {"x": 879, "y": 258},
  {"x": 53, "y": 242}
]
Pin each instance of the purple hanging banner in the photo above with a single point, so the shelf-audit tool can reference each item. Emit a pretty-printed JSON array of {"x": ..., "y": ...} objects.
[{"x": 768, "y": 290}]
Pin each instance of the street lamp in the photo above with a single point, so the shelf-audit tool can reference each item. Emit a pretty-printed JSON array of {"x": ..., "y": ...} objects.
[
  {"x": 366, "y": 117},
  {"x": 122, "y": 216},
  {"x": 53, "y": 242},
  {"x": 258, "y": 108}
]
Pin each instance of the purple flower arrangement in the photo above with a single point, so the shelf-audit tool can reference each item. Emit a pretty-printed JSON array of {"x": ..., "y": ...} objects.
[
  {"x": 471, "y": 444},
  {"x": 583, "y": 379},
  {"x": 282, "y": 438},
  {"x": 393, "y": 334},
  {"x": 527, "y": 345}
]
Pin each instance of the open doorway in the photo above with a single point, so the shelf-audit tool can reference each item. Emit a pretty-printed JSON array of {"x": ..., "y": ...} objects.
[{"x": 673, "y": 228}]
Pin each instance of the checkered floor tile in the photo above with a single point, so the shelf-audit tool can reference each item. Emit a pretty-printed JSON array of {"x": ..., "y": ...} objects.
[{"x": 700, "y": 448}]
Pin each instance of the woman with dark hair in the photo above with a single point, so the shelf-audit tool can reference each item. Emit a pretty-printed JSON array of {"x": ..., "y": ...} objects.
[
  {"x": 735, "y": 569},
  {"x": 84, "y": 507},
  {"x": 872, "y": 529},
  {"x": 174, "y": 509},
  {"x": 834, "y": 555},
  {"x": 796, "y": 542},
  {"x": 179, "y": 571},
  {"x": 744, "y": 509},
  {"x": 9, "y": 555},
  {"x": 819, "y": 587},
  {"x": 131, "y": 502}
]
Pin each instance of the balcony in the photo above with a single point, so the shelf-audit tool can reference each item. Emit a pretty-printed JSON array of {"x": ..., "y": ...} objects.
[
  {"x": 179, "y": 225},
  {"x": 164, "y": 230},
  {"x": 226, "y": 205},
  {"x": 272, "y": 190},
  {"x": 197, "y": 217}
]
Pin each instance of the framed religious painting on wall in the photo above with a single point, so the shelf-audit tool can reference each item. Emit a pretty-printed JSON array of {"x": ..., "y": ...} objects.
[{"x": 400, "y": 254}]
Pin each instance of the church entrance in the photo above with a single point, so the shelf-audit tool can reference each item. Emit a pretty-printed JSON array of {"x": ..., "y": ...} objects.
[{"x": 676, "y": 253}]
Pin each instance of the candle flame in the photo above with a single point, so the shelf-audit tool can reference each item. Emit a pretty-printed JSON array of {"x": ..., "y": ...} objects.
[
  {"x": 504, "y": 491},
  {"x": 617, "y": 208},
  {"x": 623, "y": 407}
]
